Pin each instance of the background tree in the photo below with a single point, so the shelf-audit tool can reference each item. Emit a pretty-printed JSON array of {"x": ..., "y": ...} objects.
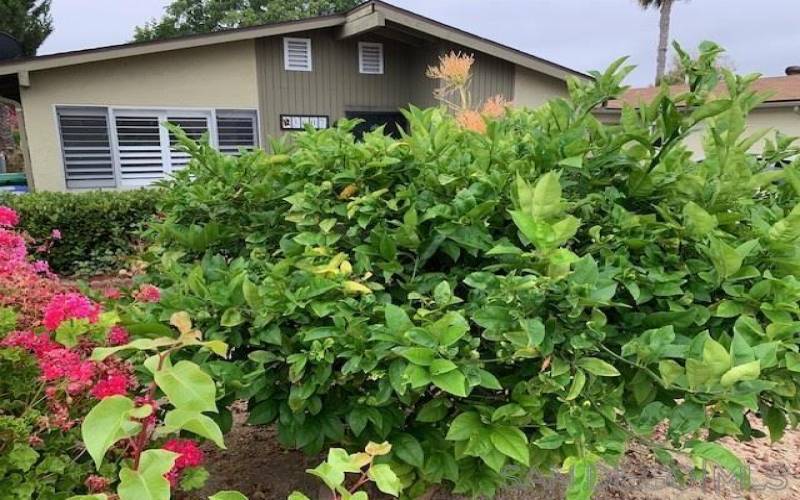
[
  {"x": 29, "y": 21},
  {"x": 665, "y": 11},
  {"x": 186, "y": 17}
]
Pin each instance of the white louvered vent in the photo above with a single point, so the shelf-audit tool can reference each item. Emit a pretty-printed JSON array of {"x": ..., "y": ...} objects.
[
  {"x": 236, "y": 130},
  {"x": 141, "y": 157},
  {"x": 88, "y": 160},
  {"x": 370, "y": 58},
  {"x": 297, "y": 54},
  {"x": 195, "y": 127}
]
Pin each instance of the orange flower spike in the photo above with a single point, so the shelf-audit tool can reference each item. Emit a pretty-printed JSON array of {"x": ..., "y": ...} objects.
[
  {"x": 471, "y": 120},
  {"x": 495, "y": 107},
  {"x": 453, "y": 68}
]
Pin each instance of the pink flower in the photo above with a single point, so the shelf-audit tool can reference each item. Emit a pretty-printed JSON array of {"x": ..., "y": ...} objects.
[
  {"x": 12, "y": 251},
  {"x": 66, "y": 306},
  {"x": 117, "y": 336},
  {"x": 147, "y": 293},
  {"x": 113, "y": 385},
  {"x": 65, "y": 363},
  {"x": 55, "y": 234},
  {"x": 41, "y": 266},
  {"x": 96, "y": 484},
  {"x": 189, "y": 455},
  {"x": 112, "y": 293},
  {"x": 36, "y": 344},
  {"x": 8, "y": 217}
]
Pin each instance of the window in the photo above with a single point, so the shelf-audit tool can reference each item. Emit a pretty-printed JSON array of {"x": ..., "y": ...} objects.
[
  {"x": 236, "y": 130},
  {"x": 120, "y": 147},
  {"x": 370, "y": 58},
  {"x": 85, "y": 142},
  {"x": 297, "y": 54}
]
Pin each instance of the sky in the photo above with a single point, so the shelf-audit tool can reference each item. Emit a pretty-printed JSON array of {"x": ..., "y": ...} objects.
[{"x": 759, "y": 35}]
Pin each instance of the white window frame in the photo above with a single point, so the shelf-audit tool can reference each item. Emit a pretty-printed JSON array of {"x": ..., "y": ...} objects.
[
  {"x": 307, "y": 42},
  {"x": 361, "y": 68},
  {"x": 112, "y": 111}
]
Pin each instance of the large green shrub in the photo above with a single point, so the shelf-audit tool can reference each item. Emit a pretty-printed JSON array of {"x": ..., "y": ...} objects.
[
  {"x": 538, "y": 295},
  {"x": 99, "y": 229}
]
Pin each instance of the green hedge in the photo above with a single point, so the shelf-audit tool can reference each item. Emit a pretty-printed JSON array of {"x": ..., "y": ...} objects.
[{"x": 98, "y": 228}]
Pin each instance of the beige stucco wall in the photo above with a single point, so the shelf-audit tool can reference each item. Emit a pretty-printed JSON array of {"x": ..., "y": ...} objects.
[
  {"x": 532, "y": 89},
  {"x": 219, "y": 76},
  {"x": 783, "y": 119}
]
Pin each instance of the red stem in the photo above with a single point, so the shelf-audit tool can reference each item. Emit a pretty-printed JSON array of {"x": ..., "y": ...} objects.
[{"x": 141, "y": 439}]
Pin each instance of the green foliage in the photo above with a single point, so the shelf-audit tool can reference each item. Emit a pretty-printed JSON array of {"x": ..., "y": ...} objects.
[
  {"x": 538, "y": 295},
  {"x": 99, "y": 229},
  {"x": 188, "y": 17},
  {"x": 333, "y": 472},
  {"x": 29, "y": 21},
  {"x": 47, "y": 470}
]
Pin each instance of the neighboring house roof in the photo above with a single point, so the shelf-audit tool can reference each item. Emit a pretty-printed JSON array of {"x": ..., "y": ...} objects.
[
  {"x": 780, "y": 89},
  {"x": 370, "y": 15}
]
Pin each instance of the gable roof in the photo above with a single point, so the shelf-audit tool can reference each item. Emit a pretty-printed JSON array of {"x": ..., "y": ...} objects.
[
  {"x": 781, "y": 90},
  {"x": 369, "y": 15}
]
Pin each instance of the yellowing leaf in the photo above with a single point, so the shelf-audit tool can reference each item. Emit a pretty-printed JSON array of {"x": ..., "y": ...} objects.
[
  {"x": 378, "y": 449},
  {"x": 181, "y": 321},
  {"x": 356, "y": 288}
]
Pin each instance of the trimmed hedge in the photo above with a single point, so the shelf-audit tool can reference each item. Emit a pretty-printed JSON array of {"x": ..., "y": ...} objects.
[{"x": 98, "y": 228}]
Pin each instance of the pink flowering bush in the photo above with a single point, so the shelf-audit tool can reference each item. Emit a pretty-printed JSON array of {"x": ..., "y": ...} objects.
[{"x": 63, "y": 359}]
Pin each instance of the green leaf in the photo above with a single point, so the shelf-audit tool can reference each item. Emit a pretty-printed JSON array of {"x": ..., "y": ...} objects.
[
  {"x": 453, "y": 382},
  {"x": 193, "y": 478},
  {"x": 108, "y": 422},
  {"x": 578, "y": 381},
  {"x": 710, "y": 109},
  {"x": 385, "y": 479},
  {"x": 598, "y": 367},
  {"x": 148, "y": 481},
  {"x": 450, "y": 328},
  {"x": 231, "y": 317},
  {"x": 512, "y": 442},
  {"x": 725, "y": 258},
  {"x": 489, "y": 381},
  {"x": 440, "y": 366},
  {"x": 464, "y": 426},
  {"x": 101, "y": 353},
  {"x": 716, "y": 357},
  {"x": 793, "y": 362},
  {"x": 747, "y": 371},
  {"x": 721, "y": 456},
  {"x": 698, "y": 373},
  {"x": 776, "y": 423},
  {"x": 295, "y": 495},
  {"x": 421, "y": 356},
  {"x": 698, "y": 222},
  {"x": 96, "y": 496},
  {"x": 397, "y": 321},
  {"x": 582, "y": 481},
  {"x": 408, "y": 449},
  {"x": 433, "y": 411},
  {"x": 235, "y": 495},
  {"x": 195, "y": 422},
  {"x": 670, "y": 371},
  {"x": 187, "y": 386},
  {"x": 442, "y": 294},
  {"x": 546, "y": 201}
]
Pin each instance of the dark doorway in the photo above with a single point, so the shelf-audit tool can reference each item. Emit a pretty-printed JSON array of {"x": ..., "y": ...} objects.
[{"x": 392, "y": 120}]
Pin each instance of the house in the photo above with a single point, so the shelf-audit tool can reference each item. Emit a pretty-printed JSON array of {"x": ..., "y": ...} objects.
[
  {"x": 92, "y": 116},
  {"x": 779, "y": 112}
]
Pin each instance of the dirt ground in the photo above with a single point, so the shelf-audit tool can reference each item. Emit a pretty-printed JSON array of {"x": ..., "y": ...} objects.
[{"x": 257, "y": 465}]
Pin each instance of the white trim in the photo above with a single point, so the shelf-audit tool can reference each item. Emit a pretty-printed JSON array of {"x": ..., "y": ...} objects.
[
  {"x": 307, "y": 43},
  {"x": 162, "y": 113},
  {"x": 376, "y": 45}
]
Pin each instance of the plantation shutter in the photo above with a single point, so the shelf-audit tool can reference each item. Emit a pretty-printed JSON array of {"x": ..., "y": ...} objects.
[
  {"x": 86, "y": 147},
  {"x": 370, "y": 58},
  {"x": 297, "y": 54},
  {"x": 139, "y": 142},
  {"x": 236, "y": 130},
  {"x": 195, "y": 127}
]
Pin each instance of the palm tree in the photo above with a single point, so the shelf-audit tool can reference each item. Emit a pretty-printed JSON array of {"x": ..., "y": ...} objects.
[{"x": 665, "y": 9}]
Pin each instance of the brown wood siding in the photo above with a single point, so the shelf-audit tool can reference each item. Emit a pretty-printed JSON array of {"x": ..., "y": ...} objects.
[{"x": 335, "y": 85}]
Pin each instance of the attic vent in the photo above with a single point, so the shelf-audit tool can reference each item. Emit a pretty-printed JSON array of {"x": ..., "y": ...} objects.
[
  {"x": 297, "y": 54},
  {"x": 236, "y": 130},
  {"x": 370, "y": 58}
]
